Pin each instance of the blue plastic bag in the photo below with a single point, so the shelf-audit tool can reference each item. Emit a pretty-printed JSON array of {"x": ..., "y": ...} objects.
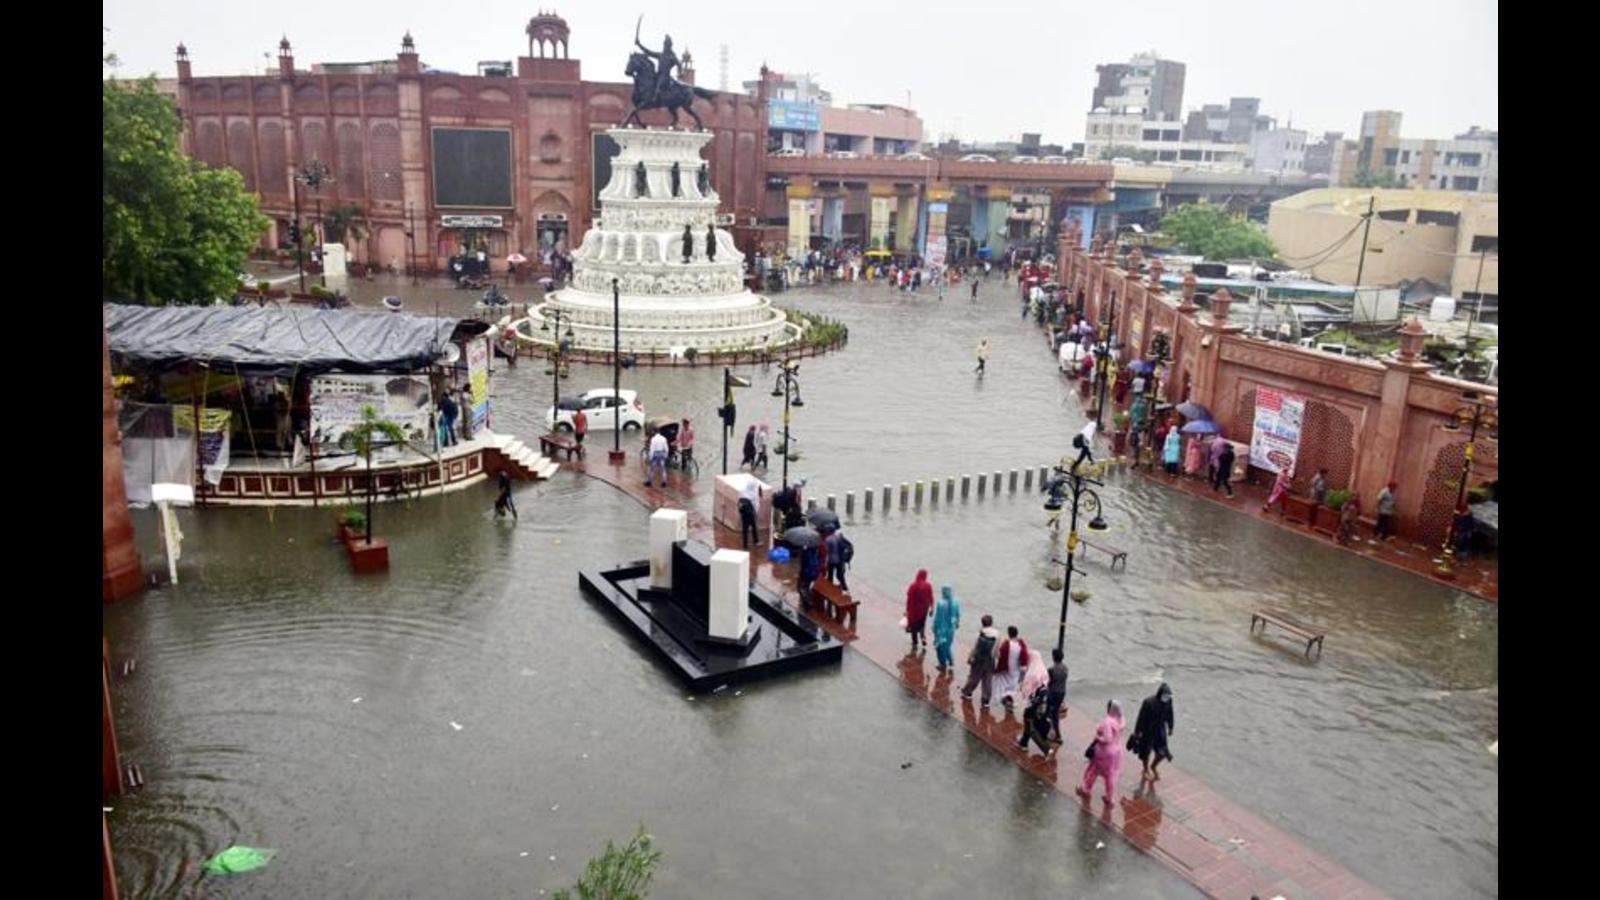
[{"x": 779, "y": 554}]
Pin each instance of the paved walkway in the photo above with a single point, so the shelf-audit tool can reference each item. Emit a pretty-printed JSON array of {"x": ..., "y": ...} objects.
[{"x": 1218, "y": 847}]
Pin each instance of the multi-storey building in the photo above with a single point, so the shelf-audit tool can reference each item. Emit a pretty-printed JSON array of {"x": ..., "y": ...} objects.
[
  {"x": 1278, "y": 150},
  {"x": 801, "y": 116}
]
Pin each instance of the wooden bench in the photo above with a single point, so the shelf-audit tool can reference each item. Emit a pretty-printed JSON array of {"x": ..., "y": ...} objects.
[
  {"x": 1117, "y": 556},
  {"x": 1303, "y": 632},
  {"x": 836, "y": 602},
  {"x": 551, "y": 444}
]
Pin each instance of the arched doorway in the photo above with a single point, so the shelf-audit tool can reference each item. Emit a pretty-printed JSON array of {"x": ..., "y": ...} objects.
[{"x": 552, "y": 214}]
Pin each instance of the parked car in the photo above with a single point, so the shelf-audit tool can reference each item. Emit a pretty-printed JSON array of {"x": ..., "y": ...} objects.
[
  {"x": 1055, "y": 160},
  {"x": 789, "y": 151},
  {"x": 977, "y": 157},
  {"x": 1080, "y": 161},
  {"x": 597, "y": 407},
  {"x": 1122, "y": 161},
  {"x": 915, "y": 157},
  {"x": 842, "y": 154},
  {"x": 1027, "y": 160}
]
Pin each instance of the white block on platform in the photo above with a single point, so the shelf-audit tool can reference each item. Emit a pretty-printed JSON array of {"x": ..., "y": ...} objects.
[
  {"x": 725, "y": 503},
  {"x": 730, "y": 594},
  {"x": 667, "y": 527}
]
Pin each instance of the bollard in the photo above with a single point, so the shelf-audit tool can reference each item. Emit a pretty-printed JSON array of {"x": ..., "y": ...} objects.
[
  {"x": 982, "y": 478},
  {"x": 933, "y": 491},
  {"x": 1011, "y": 483},
  {"x": 996, "y": 484},
  {"x": 966, "y": 485},
  {"x": 905, "y": 493},
  {"x": 950, "y": 488},
  {"x": 866, "y": 500},
  {"x": 1027, "y": 480},
  {"x": 1044, "y": 476},
  {"x": 917, "y": 497},
  {"x": 849, "y": 503},
  {"x": 886, "y": 489},
  {"x": 830, "y": 503},
  {"x": 810, "y": 505}
]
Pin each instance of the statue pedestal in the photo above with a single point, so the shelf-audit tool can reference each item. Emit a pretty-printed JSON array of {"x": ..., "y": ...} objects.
[
  {"x": 730, "y": 594},
  {"x": 667, "y": 527}
]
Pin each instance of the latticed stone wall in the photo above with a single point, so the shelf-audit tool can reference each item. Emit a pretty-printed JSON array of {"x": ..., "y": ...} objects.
[
  {"x": 1443, "y": 486},
  {"x": 1327, "y": 440}
]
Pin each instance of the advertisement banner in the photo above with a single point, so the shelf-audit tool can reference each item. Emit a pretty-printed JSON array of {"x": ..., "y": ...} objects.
[
  {"x": 1276, "y": 439},
  {"x": 936, "y": 250},
  {"x": 790, "y": 115},
  {"x": 337, "y": 402},
  {"x": 1135, "y": 336},
  {"x": 1083, "y": 217},
  {"x": 478, "y": 378},
  {"x": 879, "y": 234},
  {"x": 215, "y": 438},
  {"x": 799, "y": 227}
]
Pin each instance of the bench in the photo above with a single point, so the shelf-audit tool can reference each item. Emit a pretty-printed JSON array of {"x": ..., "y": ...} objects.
[
  {"x": 551, "y": 444},
  {"x": 836, "y": 602},
  {"x": 1303, "y": 632},
  {"x": 1117, "y": 556}
]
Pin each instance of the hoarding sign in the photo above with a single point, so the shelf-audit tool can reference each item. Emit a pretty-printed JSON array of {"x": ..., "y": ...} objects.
[
  {"x": 1275, "y": 440},
  {"x": 794, "y": 116}
]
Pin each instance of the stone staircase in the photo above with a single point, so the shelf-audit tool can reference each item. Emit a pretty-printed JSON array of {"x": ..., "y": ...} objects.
[{"x": 521, "y": 460}]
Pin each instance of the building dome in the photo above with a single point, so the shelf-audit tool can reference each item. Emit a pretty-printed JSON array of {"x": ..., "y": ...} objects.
[{"x": 547, "y": 29}]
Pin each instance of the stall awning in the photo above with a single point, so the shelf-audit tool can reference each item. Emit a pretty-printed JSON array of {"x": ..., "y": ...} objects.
[{"x": 273, "y": 339}]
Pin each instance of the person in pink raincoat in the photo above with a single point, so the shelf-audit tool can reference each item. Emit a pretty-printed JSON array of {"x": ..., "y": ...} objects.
[
  {"x": 1191, "y": 457},
  {"x": 1280, "y": 488},
  {"x": 1105, "y": 753}
]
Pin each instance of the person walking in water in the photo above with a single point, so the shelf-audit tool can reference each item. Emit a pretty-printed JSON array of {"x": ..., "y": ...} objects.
[
  {"x": 837, "y": 547},
  {"x": 983, "y": 356},
  {"x": 1280, "y": 488},
  {"x": 1058, "y": 693},
  {"x": 974, "y": 290},
  {"x": 1150, "y": 732},
  {"x": 503, "y": 503},
  {"x": 1191, "y": 457},
  {"x": 919, "y": 600},
  {"x": 749, "y": 500},
  {"x": 980, "y": 662},
  {"x": 761, "y": 447},
  {"x": 1384, "y": 530},
  {"x": 1349, "y": 514},
  {"x": 1224, "y": 471},
  {"x": 1105, "y": 754},
  {"x": 1035, "y": 721},
  {"x": 580, "y": 427},
  {"x": 946, "y": 621}
]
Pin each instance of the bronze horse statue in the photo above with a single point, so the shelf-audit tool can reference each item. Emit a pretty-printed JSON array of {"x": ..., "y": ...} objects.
[{"x": 671, "y": 98}]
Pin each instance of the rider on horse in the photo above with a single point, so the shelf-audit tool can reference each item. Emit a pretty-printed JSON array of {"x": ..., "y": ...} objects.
[{"x": 666, "y": 62}]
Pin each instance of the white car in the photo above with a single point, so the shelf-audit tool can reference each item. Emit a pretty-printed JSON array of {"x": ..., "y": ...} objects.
[
  {"x": 977, "y": 157},
  {"x": 597, "y": 407},
  {"x": 1055, "y": 160},
  {"x": 915, "y": 157},
  {"x": 842, "y": 154},
  {"x": 789, "y": 152},
  {"x": 1026, "y": 160}
]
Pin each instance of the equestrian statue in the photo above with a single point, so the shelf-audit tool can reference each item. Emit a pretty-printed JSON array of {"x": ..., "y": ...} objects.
[{"x": 655, "y": 88}]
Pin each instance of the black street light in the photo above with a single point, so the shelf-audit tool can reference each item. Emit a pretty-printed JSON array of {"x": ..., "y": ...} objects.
[
  {"x": 1159, "y": 354},
  {"x": 555, "y": 357},
  {"x": 787, "y": 386},
  {"x": 1103, "y": 352},
  {"x": 617, "y": 456},
  {"x": 727, "y": 412},
  {"x": 411, "y": 235},
  {"x": 1476, "y": 413},
  {"x": 1083, "y": 497},
  {"x": 313, "y": 175}
]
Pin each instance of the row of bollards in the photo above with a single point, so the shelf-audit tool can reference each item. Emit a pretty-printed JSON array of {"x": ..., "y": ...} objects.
[{"x": 912, "y": 494}]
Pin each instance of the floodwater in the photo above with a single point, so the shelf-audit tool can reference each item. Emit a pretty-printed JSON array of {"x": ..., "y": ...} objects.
[{"x": 243, "y": 712}]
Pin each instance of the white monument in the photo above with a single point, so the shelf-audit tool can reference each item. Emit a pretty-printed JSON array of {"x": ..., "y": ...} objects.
[
  {"x": 659, "y": 185},
  {"x": 730, "y": 594},
  {"x": 667, "y": 527}
]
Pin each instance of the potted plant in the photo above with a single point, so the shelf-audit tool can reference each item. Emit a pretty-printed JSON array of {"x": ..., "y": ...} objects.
[
  {"x": 1119, "y": 434},
  {"x": 1327, "y": 515},
  {"x": 372, "y": 433},
  {"x": 1080, "y": 597},
  {"x": 352, "y": 524}
]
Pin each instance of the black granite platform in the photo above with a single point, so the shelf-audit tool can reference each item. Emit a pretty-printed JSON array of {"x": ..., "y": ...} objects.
[{"x": 674, "y": 624}]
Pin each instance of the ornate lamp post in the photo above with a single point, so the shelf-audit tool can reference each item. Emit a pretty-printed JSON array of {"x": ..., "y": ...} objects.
[
  {"x": 1159, "y": 353},
  {"x": 1475, "y": 412},
  {"x": 787, "y": 386},
  {"x": 1103, "y": 354},
  {"x": 617, "y": 455},
  {"x": 313, "y": 175},
  {"x": 1083, "y": 498},
  {"x": 727, "y": 411},
  {"x": 555, "y": 358}
]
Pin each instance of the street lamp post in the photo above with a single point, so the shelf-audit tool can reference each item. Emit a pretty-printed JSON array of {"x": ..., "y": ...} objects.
[
  {"x": 314, "y": 175},
  {"x": 617, "y": 456},
  {"x": 787, "y": 386},
  {"x": 1104, "y": 352},
  {"x": 555, "y": 368},
  {"x": 1476, "y": 413},
  {"x": 1082, "y": 498},
  {"x": 299, "y": 242},
  {"x": 727, "y": 413},
  {"x": 411, "y": 235}
]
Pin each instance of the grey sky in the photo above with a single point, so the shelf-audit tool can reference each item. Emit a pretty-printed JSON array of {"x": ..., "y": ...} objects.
[{"x": 987, "y": 71}]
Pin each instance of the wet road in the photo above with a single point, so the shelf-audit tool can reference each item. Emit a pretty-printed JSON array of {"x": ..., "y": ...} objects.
[{"x": 241, "y": 710}]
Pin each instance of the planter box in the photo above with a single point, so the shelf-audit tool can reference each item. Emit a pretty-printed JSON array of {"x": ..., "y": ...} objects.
[
  {"x": 1119, "y": 442},
  {"x": 365, "y": 557},
  {"x": 1299, "y": 509},
  {"x": 1325, "y": 520}
]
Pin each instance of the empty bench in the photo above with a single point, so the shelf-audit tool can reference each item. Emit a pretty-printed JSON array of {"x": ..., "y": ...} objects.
[
  {"x": 836, "y": 602},
  {"x": 551, "y": 444},
  {"x": 1117, "y": 556},
  {"x": 1299, "y": 630}
]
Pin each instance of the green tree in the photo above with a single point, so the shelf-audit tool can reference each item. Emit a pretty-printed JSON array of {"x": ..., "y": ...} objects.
[
  {"x": 1367, "y": 178},
  {"x": 342, "y": 219},
  {"x": 620, "y": 873},
  {"x": 374, "y": 432},
  {"x": 1126, "y": 151},
  {"x": 172, "y": 230},
  {"x": 1209, "y": 231}
]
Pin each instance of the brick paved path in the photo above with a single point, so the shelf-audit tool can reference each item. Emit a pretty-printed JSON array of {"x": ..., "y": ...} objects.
[{"x": 1220, "y": 848}]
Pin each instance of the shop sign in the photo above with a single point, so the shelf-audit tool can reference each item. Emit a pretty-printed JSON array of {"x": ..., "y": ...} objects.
[{"x": 471, "y": 221}]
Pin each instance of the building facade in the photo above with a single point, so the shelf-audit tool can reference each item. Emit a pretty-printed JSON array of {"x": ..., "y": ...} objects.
[
  {"x": 437, "y": 162},
  {"x": 1278, "y": 150},
  {"x": 1147, "y": 82},
  {"x": 801, "y": 116}
]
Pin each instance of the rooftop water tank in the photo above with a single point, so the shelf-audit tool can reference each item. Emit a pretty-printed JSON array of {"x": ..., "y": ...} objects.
[{"x": 1442, "y": 310}]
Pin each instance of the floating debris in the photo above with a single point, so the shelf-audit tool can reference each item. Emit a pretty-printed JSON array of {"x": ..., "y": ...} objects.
[
  {"x": 1099, "y": 845},
  {"x": 238, "y": 859},
  {"x": 456, "y": 725},
  {"x": 1494, "y": 748},
  {"x": 1236, "y": 841},
  {"x": 523, "y": 853},
  {"x": 356, "y": 700},
  {"x": 553, "y": 809},
  {"x": 907, "y": 764}
]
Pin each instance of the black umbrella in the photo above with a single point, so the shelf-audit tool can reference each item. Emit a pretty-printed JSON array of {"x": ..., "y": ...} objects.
[
  {"x": 823, "y": 519},
  {"x": 1191, "y": 410},
  {"x": 802, "y": 536}
]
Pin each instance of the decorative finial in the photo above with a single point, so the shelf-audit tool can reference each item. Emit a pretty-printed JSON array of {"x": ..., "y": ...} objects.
[
  {"x": 183, "y": 52},
  {"x": 407, "y": 45},
  {"x": 283, "y": 46}
]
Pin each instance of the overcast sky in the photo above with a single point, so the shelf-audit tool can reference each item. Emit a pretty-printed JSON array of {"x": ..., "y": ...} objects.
[{"x": 984, "y": 71}]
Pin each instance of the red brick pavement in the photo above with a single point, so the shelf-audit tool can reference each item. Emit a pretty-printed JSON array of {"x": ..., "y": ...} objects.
[{"x": 1218, "y": 847}]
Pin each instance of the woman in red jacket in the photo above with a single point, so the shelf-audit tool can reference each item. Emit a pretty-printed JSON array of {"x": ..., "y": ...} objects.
[{"x": 919, "y": 599}]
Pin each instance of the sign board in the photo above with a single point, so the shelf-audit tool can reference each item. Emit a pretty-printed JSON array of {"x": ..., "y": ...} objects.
[
  {"x": 1083, "y": 217},
  {"x": 478, "y": 378},
  {"x": 790, "y": 115},
  {"x": 337, "y": 401},
  {"x": 471, "y": 221},
  {"x": 1275, "y": 440},
  {"x": 936, "y": 250}
]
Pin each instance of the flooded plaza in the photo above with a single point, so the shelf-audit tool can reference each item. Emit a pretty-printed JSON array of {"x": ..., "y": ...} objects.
[{"x": 469, "y": 725}]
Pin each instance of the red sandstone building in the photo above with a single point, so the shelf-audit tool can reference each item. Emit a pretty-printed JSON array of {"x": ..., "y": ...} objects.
[{"x": 506, "y": 163}]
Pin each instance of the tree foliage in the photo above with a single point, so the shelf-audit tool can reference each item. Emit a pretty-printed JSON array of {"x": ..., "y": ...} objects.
[
  {"x": 1209, "y": 231},
  {"x": 172, "y": 230},
  {"x": 344, "y": 219},
  {"x": 620, "y": 873},
  {"x": 1127, "y": 151},
  {"x": 1367, "y": 178}
]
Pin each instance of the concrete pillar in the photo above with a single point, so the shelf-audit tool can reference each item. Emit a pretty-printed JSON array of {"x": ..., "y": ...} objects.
[
  {"x": 810, "y": 505},
  {"x": 905, "y": 225},
  {"x": 799, "y": 218},
  {"x": 832, "y": 217},
  {"x": 886, "y": 490},
  {"x": 980, "y": 218},
  {"x": 966, "y": 485},
  {"x": 905, "y": 493},
  {"x": 950, "y": 488},
  {"x": 121, "y": 571},
  {"x": 999, "y": 208},
  {"x": 667, "y": 527},
  {"x": 882, "y": 201},
  {"x": 1027, "y": 480},
  {"x": 995, "y": 485},
  {"x": 730, "y": 594},
  {"x": 982, "y": 477},
  {"x": 1044, "y": 476},
  {"x": 933, "y": 491}
]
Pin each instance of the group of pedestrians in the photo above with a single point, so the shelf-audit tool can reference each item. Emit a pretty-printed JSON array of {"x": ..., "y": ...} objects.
[{"x": 755, "y": 448}]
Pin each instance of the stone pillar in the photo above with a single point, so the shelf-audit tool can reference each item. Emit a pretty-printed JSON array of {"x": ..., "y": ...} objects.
[
  {"x": 729, "y": 614},
  {"x": 881, "y": 198},
  {"x": 1380, "y": 445},
  {"x": 1208, "y": 357},
  {"x": 999, "y": 209},
  {"x": 1187, "y": 307},
  {"x": 121, "y": 571},
  {"x": 799, "y": 219},
  {"x": 667, "y": 527},
  {"x": 905, "y": 224},
  {"x": 832, "y": 217}
]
